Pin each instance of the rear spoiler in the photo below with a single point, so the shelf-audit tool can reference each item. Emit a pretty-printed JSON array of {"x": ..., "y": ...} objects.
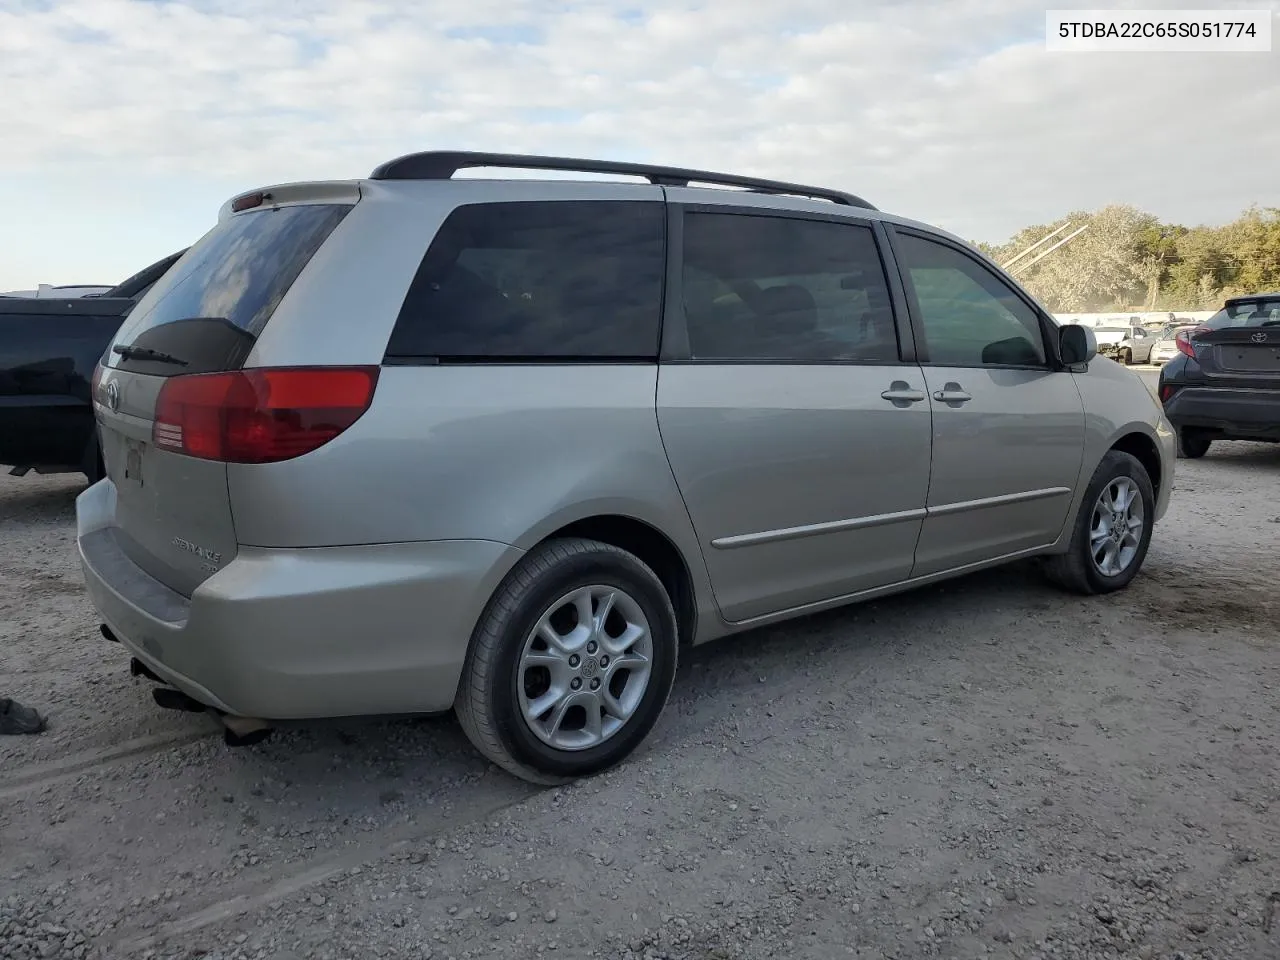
[{"x": 285, "y": 194}]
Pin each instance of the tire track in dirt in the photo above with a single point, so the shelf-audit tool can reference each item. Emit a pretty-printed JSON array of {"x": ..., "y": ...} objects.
[
  {"x": 500, "y": 790},
  {"x": 37, "y": 776}
]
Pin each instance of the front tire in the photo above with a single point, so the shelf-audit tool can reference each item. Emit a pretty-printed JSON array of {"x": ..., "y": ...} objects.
[
  {"x": 1126, "y": 357},
  {"x": 1112, "y": 529},
  {"x": 571, "y": 662}
]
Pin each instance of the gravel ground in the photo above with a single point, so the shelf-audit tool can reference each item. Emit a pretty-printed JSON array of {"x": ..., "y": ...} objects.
[{"x": 985, "y": 769}]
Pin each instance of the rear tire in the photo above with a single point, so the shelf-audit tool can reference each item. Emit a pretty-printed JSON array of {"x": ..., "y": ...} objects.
[
  {"x": 95, "y": 469},
  {"x": 1079, "y": 569},
  {"x": 532, "y": 646},
  {"x": 1192, "y": 445}
]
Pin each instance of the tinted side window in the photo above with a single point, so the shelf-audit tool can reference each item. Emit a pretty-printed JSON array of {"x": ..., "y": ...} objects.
[
  {"x": 971, "y": 318},
  {"x": 777, "y": 288},
  {"x": 553, "y": 280}
]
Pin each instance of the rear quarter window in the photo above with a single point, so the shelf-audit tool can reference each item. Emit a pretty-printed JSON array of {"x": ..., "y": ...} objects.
[
  {"x": 210, "y": 307},
  {"x": 538, "y": 280}
]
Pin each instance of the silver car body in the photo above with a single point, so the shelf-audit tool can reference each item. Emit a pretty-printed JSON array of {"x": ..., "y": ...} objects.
[
  {"x": 349, "y": 580},
  {"x": 1137, "y": 341},
  {"x": 1165, "y": 347}
]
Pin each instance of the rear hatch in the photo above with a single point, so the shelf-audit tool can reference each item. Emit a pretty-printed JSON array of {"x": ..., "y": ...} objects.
[
  {"x": 173, "y": 515},
  {"x": 1240, "y": 344}
]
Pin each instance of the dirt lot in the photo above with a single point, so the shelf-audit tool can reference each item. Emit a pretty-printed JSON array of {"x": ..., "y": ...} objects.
[{"x": 985, "y": 769}]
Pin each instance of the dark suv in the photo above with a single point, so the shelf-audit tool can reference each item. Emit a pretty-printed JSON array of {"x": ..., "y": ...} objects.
[
  {"x": 48, "y": 348},
  {"x": 1225, "y": 382}
]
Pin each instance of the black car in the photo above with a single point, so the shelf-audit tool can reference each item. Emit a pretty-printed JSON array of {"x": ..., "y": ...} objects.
[
  {"x": 1224, "y": 384},
  {"x": 48, "y": 349}
]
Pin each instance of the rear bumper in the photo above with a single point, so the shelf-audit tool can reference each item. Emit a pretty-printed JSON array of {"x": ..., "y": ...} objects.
[
  {"x": 294, "y": 634},
  {"x": 1244, "y": 414}
]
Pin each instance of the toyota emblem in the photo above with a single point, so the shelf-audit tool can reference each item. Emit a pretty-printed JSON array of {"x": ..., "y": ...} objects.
[
  {"x": 1259, "y": 337},
  {"x": 113, "y": 395}
]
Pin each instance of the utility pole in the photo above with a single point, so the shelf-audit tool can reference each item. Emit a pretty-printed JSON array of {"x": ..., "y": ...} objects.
[
  {"x": 1034, "y": 260},
  {"x": 1049, "y": 236}
]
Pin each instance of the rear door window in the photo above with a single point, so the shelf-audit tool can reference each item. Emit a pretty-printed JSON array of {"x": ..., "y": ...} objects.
[
  {"x": 205, "y": 313},
  {"x": 786, "y": 289},
  {"x": 538, "y": 281}
]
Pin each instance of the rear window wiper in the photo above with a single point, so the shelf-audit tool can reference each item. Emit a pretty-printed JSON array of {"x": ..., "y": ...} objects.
[{"x": 146, "y": 353}]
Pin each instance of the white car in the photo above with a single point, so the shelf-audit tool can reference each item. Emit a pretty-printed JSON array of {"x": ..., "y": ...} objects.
[
  {"x": 1166, "y": 345},
  {"x": 1126, "y": 344},
  {"x": 48, "y": 291}
]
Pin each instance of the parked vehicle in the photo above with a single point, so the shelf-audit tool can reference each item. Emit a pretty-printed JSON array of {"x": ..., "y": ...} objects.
[
  {"x": 1224, "y": 384},
  {"x": 48, "y": 349},
  {"x": 1109, "y": 334},
  {"x": 1130, "y": 344},
  {"x": 1166, "y": 346},
  {"x": 417, "y": 443},
  {"x": 47, "y": 291}
]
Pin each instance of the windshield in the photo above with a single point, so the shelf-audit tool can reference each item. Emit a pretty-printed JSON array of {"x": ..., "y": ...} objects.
[
  {"x": 1253, "y": 313},
  {"x": 1110, "y": 329}
]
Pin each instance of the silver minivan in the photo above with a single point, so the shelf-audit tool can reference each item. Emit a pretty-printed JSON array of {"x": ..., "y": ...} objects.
[{"x": 422, "y": 442}]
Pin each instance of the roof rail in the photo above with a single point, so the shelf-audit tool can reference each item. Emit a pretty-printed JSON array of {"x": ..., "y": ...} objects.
[{"x": 443, "y": 164}]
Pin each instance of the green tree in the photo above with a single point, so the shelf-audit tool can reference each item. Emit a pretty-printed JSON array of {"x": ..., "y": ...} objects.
[{"x": 1129, "y": 260}]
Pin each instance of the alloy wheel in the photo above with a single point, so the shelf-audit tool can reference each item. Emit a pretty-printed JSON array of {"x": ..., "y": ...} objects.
[
  {"x": 1116, "y": 527},
  {"x": 584, "y": 667}
]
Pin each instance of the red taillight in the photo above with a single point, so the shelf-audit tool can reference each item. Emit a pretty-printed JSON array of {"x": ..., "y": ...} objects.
[
  {"x": 261, "y": 415},
  {"x": 1167, "y": 391},
  {"x": 1183, "y": 339}
]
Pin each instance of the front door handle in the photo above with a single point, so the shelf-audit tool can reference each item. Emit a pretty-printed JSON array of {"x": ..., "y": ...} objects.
[
  {"x": 901, "y": 394},
  {"x": 951, "y": 393}
]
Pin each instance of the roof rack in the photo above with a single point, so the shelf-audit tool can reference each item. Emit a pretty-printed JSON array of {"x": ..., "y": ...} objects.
[{"x": 443, "y": 164}]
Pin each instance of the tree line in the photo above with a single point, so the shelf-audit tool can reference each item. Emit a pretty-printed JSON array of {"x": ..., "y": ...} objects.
[{"x": 1129, "y": 260}]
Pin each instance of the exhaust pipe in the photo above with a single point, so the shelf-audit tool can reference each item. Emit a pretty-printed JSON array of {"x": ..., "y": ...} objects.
[
  {"x": 172, "y": 699},
  {"x": 139, "y": 669},
  {"x": 236, "y": 731},
  {"x": 243, "y": 731}
]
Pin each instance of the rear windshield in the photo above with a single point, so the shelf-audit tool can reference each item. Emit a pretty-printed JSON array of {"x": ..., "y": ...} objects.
[
  {"x": 205, "y": 313},
  {"x": 1255, "y": 313}
]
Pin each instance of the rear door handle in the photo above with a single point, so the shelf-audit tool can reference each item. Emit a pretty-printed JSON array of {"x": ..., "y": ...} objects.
[
  {"x": 901, "y": 394},
  {"x": 952, "y": 393}
]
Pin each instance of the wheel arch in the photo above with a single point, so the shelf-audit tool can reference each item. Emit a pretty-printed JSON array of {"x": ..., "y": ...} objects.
[
  {"x": 658, "y": 551},
  {"x": 1146, "y": 451}
]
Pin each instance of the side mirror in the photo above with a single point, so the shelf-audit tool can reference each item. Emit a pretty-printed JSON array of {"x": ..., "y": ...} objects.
[{"x": 1076, "y": 344}]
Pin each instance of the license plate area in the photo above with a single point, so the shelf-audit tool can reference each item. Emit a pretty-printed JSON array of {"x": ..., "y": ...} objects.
[
  {"x": 135, "y": 452},
  {"x": 1249, "y": 359}
]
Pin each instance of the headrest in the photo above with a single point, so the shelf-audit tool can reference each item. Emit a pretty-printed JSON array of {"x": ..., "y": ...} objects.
[{"x": 790, "y": 306}]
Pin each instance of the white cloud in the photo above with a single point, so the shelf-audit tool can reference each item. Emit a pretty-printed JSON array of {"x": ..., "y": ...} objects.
[{"x": 948, "y": 110}]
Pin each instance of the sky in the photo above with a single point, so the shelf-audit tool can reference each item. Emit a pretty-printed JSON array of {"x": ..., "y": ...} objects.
[{"x": 124, "y": 124}]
